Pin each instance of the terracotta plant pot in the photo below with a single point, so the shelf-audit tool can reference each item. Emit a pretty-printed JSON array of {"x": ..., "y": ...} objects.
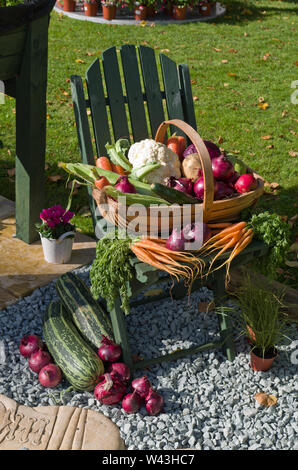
[
  {"x": 90, "y": 9},
  {"x": 140, "y": 13},
  {"x": 205, "y": 9},
  {"x": 69, "y": 5},
  {"x": 262, "y": 364},
  {"x": 179, "y": 13},
  {"x": 109, "y": 12}
]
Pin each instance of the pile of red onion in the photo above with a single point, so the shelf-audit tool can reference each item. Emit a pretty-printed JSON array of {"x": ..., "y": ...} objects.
[
  {"x": 227, "y": 182},
  {"x": 112, "y": 385},
  {"x": 40, "y": 361}
]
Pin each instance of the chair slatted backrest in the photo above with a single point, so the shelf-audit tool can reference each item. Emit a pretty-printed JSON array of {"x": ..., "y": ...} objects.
[{"x": 128, "y": 99}]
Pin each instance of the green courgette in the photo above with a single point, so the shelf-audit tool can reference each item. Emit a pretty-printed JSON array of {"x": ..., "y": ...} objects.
[
  {"x": 132, "y": 198},
  {"x": 173, "y": 196}
]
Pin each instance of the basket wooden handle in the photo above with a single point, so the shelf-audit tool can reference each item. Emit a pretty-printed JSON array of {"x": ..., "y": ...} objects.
[{"x": 202, "y": 152}]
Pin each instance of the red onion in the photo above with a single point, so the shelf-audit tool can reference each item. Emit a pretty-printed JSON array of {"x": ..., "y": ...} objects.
[
  {"x": 190, "y": 149},
  {"x": 109, "y": 351},
  {"x": 119, "y": 371},
  {"x": 38, "y": 360},
  {"x": 224, "y": 191},
  {"x": 154, "y": 402},
  {"x": 185, "y": 185},
  {"x": 142, "y": 386},
  {"x": 175, "y": 241},
  {"x": 213, "y": 150},
  {"x": 245, "y": 183},
  {"x": 123, "y": 185},
  {"x": 50, "y": 376},
  {"x": 131, "y": 403},
  {"x": 196, "y": 232},
  {"x": 222, "y": 168},
  {"x": 30, "y": 344},
  {"x": 109, "y": 391},
  {"x": 233, "y": 178}
]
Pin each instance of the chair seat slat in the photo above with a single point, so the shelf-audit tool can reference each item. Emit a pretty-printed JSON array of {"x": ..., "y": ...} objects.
[
  {"x": 135, "y": 98},
  {"x": 153, "y": 93},
  {"x": 115, "y": 93},
  {"x": 98, "y": 107}
]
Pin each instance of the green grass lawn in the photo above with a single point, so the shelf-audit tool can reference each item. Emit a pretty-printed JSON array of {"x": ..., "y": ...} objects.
[{"x": 238, "y": 63}]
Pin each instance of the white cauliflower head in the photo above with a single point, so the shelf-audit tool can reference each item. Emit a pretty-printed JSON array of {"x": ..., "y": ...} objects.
[{"x": 148, "y": 151}]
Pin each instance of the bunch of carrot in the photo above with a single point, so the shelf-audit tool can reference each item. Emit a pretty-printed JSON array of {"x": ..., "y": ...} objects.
[
  {"x": 187, "y": 265},
  {"x": 234, "y": 237},
  {"x": 179, "y": 264},
  {"x": 106, "y": 164}
]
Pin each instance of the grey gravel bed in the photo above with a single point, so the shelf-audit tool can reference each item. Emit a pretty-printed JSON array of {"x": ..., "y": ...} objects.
[{"x": 209, "y": 401}]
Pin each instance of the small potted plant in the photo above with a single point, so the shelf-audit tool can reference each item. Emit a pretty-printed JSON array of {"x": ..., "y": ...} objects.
[
  {"x": 179, "y": 9},
  {"x": 263, "y": 323},
  {"x": 141, "y": 10},
  {"x": 57, "y": 234},
  {"x": 90, "y": 7},
  {"x": 68, "y": 5},
  {"x": 109, "y": 9},
  {"x": 204, "y": 7}
]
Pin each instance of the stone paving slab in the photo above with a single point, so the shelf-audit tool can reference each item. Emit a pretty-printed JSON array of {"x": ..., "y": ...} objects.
[
  {"x": 55, "y": 428},
  {"x": 23, "y": 268}
]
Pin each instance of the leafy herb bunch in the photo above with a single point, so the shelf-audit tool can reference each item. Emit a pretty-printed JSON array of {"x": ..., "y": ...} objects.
[
  {"x": 111, "y": 270},
  {"x": 275, "y": 233}
]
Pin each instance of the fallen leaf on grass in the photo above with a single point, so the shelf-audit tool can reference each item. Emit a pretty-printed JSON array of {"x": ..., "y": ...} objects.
[
  {"x": 233, "y": 51},
  {"x": 11, "y": 172},
  {"x": 80, "y": 61},
  {"x": 293, "y": 154},
  {"x": 265, "y": 399},
  {"x": 165, "y": 50},
  {"x": 270, "y": 146},
  {"x": 224, "y": 61},
  {"x": 265, "y": 57},
  {"x": 273, "y": 186},
  {"x": 220, "y": 140},
  {"x": 217, "y": 49},
  {"x": 266, "y": 137},
  {"x": 284, "y": 113},
  {"x": 232, "y": 74},
  {"x": 292, "y": 220},
  {"x": 54, "y": 178},
  {"x": 263, "y": 106}
]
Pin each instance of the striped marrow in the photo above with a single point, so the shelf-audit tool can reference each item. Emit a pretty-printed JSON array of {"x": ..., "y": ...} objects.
[
  {"x": 79, "y": 363},
  {"x": 87, "y": 314}
]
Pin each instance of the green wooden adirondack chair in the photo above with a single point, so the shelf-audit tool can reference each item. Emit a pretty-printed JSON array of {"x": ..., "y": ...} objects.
[{"x": 139, "y": 76}]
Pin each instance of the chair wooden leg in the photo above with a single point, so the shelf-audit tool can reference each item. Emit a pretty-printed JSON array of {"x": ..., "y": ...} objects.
[
  {"x": 225, "y": 323},
  {"x": 120, "y": 332}
]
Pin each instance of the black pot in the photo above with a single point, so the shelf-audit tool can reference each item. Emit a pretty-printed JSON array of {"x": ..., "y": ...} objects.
[{"x": 19, "y": 15}]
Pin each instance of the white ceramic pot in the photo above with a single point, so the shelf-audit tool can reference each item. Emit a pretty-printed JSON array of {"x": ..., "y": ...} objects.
[{"x": 57, "y": 251}]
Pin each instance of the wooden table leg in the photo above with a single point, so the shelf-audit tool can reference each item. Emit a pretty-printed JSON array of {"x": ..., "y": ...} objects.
[
  {"x": 225, "y": 323},
  {"x": 31, "y": 130},
  {"x": 120, "y": 332}
]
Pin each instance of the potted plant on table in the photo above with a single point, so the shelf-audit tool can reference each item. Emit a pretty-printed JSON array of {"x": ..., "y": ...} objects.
[
  {"x": 141, "y": 10},
  {"x": 180, "y": 9},
  {"x": 57, "y": 234},
  {"x": 68, "y": 5},
  {"x": 109, "y": 8},
  {"x": 204, "y": 7},
  {"x": 90, "y": 7},
  {"x": 263, "y": 323}
]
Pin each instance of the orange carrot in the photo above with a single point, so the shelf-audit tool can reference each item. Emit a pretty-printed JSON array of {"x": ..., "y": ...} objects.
[
  {"x": 104, "y": 163},
  {"x": 118, "y": 169},
  {"x": 220, "y": 225},
  {"x": 101, "y": 183},
  {"x": 229, "y": 229}
]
